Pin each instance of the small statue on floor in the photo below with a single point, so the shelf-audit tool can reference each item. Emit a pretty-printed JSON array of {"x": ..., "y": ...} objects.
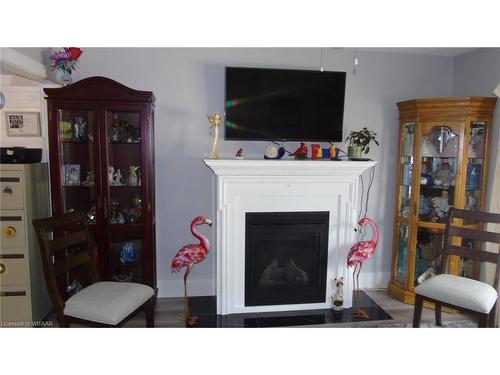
[{"x": 338, "y": 298}]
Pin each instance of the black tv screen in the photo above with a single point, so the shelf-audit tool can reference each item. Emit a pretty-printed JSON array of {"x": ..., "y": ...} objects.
[{"x": 284, "y": 105}]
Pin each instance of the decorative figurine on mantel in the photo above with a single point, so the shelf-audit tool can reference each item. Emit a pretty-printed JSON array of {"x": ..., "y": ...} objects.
[
  {"x": 301, "y": 152},
  {"x": 187, "y": 257},
  {"x": 273, "y": 152},
  {"x": 215, "y": 122}
]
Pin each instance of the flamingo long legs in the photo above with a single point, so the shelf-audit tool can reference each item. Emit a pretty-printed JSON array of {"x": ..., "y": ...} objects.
[
  {"x": 359, "y": 313},
  {"x": 190, "y": 320}
]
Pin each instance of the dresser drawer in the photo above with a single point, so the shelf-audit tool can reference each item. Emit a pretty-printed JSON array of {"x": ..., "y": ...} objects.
[
  {"x": 11, "y": 190},
  {"x": 15, "y": 305},
  {"x": 13, "y": 269},
  {"x": 12, "y": 233}
]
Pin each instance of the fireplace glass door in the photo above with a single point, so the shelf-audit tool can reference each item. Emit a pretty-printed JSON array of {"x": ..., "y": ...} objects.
[{"x": 286, "y": 257}]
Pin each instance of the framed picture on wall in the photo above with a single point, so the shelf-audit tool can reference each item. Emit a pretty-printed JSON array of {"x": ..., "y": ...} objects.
[{"x": 23, "y": 124}]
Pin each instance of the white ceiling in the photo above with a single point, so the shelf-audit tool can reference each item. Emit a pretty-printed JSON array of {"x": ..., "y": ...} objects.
[{"x": 435, "y": 51}]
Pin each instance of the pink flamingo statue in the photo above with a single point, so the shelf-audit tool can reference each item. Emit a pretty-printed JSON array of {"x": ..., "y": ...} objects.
[
  {"x": 188, "y": 256},
  {"x": 360, "y": 252}
]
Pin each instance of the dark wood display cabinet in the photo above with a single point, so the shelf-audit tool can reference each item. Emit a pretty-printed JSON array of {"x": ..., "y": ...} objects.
[{"x": 101, "y": 140}]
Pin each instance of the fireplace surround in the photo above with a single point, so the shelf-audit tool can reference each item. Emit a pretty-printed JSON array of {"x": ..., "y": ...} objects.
[{"x": 274, "y": 186}]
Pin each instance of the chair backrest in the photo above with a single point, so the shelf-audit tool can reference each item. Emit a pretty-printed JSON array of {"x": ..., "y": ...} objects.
[
  {"x": 65, "y": 245},
  {"x": 476, "y": 233}
]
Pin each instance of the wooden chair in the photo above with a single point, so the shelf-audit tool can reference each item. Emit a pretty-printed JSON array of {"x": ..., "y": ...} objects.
[
  {"x": 458, "y": 292},
  {"x": 102, "y": 303}
]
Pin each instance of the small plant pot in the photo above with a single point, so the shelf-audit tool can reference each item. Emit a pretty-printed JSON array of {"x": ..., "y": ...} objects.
[{"x": 354, "y": 152}]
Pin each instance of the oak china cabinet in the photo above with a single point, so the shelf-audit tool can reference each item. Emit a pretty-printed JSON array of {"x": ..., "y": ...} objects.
[
  {"x": 101, "y": 141},
  {"x": 444, "y": 146}
]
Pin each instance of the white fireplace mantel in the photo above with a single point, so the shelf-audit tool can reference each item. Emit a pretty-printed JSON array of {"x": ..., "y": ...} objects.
[{"x": 283, "y": 186}]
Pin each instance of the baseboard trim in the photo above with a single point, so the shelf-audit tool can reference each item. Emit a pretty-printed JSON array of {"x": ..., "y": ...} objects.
[
  {"x": 208, "y": 287},
  {"x": 196, "y": 287}
]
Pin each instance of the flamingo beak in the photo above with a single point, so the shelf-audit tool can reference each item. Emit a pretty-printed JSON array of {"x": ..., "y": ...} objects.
[{"x": 207, "y": 221}]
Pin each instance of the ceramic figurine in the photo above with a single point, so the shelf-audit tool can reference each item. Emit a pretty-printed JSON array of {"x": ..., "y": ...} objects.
[
  {"x": 89, "y": 180},
  {"x": 338, "y": 298},
  {"x": 215, "y": 122},
  {"x": 114, "y": 133},
  {"x": 111, "y": 172},
  {"x": 91, "y": 215},
  {"x": 273, "y": 152},
  {"x": 76, "y": 130},
  {"x": 132, "y": 177},
  {"x": 117, "y": 178},
  {"x": 301, "y": 152},
  {"x": 316, "y": 151},
  {"x": 83, "y": 136},
  {"x": 443, "y": 175},
  {"x": 128, "y": 253},
  {"x": 120, "y": 218},
  {"x": 441, "y": 204}
]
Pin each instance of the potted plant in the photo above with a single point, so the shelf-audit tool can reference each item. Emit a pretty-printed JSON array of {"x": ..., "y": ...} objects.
[{"x": 359, "y": 142}]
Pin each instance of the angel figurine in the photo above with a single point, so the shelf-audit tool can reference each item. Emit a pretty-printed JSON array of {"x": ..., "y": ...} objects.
[{"x": 215, "y": 122}]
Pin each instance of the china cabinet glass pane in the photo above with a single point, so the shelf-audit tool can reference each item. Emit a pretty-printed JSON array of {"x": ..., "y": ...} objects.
[
  {"x": 406, "y": 168},
  {"x": 124, "y": 173},
  {"x": 475, "y": 168},
  {"x": 438, "y": 171},
  {"x": 468, "y": 267},
  {"x": 126, "y": 257},
  {"x": 428, "y": 250},
  {"x": 76, "y": 131},
  {"x": 402, "y": 253}
]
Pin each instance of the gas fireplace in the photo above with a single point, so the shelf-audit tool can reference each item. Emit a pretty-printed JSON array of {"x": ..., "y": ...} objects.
[{"x": 286, "y": 256}]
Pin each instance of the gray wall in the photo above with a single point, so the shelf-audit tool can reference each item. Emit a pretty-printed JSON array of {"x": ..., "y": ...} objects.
[
  {"x": 477, "y": 73},
  {"x": 189, "y": 83}
]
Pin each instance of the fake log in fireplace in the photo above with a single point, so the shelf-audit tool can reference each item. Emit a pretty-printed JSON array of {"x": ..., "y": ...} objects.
[{"x": 286, "y": 257}]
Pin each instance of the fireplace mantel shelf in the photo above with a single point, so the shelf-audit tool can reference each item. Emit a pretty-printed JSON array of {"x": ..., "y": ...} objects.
[
  {"x": 253, "y": 186},
  {"x": 249, "y": 167}
]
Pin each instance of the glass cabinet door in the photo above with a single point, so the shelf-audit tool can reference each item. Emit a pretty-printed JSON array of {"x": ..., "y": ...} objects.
[
  {"x": 428, "y": 250},
  {"x": 475, "y": 165},
  {"x": 76, "y": 133},
  {"x": 402, "y": 253},
  {"x": 124, "y": 167},
  {"x": 126, "y": 256},
  {"x": 406, "y": 165},
  {"x": 438, "y": 170}
]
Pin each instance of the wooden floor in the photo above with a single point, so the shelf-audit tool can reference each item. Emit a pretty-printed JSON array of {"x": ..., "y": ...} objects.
[{"x": 169, "y": 313}]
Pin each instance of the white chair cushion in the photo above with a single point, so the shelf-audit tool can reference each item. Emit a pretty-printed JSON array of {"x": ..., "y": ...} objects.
[
  {"x": 107, "y": 302},
  {"x": 459, "y": 291}
]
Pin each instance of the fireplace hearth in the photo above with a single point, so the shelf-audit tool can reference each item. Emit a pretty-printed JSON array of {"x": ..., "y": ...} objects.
[{"x": 286, "y": 257}]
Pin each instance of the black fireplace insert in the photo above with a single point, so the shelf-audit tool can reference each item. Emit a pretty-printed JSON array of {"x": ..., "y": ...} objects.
[{"x": 286, "y": 257}]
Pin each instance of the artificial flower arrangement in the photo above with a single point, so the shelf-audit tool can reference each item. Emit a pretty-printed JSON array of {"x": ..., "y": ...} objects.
[{"x": 65, "y": 61}]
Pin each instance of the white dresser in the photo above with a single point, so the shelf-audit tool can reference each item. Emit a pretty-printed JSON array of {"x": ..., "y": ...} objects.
[{"x": 24, "y": 196}]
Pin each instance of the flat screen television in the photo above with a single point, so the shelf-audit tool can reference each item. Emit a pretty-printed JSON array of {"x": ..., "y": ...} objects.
[{"x": 284, "y": 105}]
